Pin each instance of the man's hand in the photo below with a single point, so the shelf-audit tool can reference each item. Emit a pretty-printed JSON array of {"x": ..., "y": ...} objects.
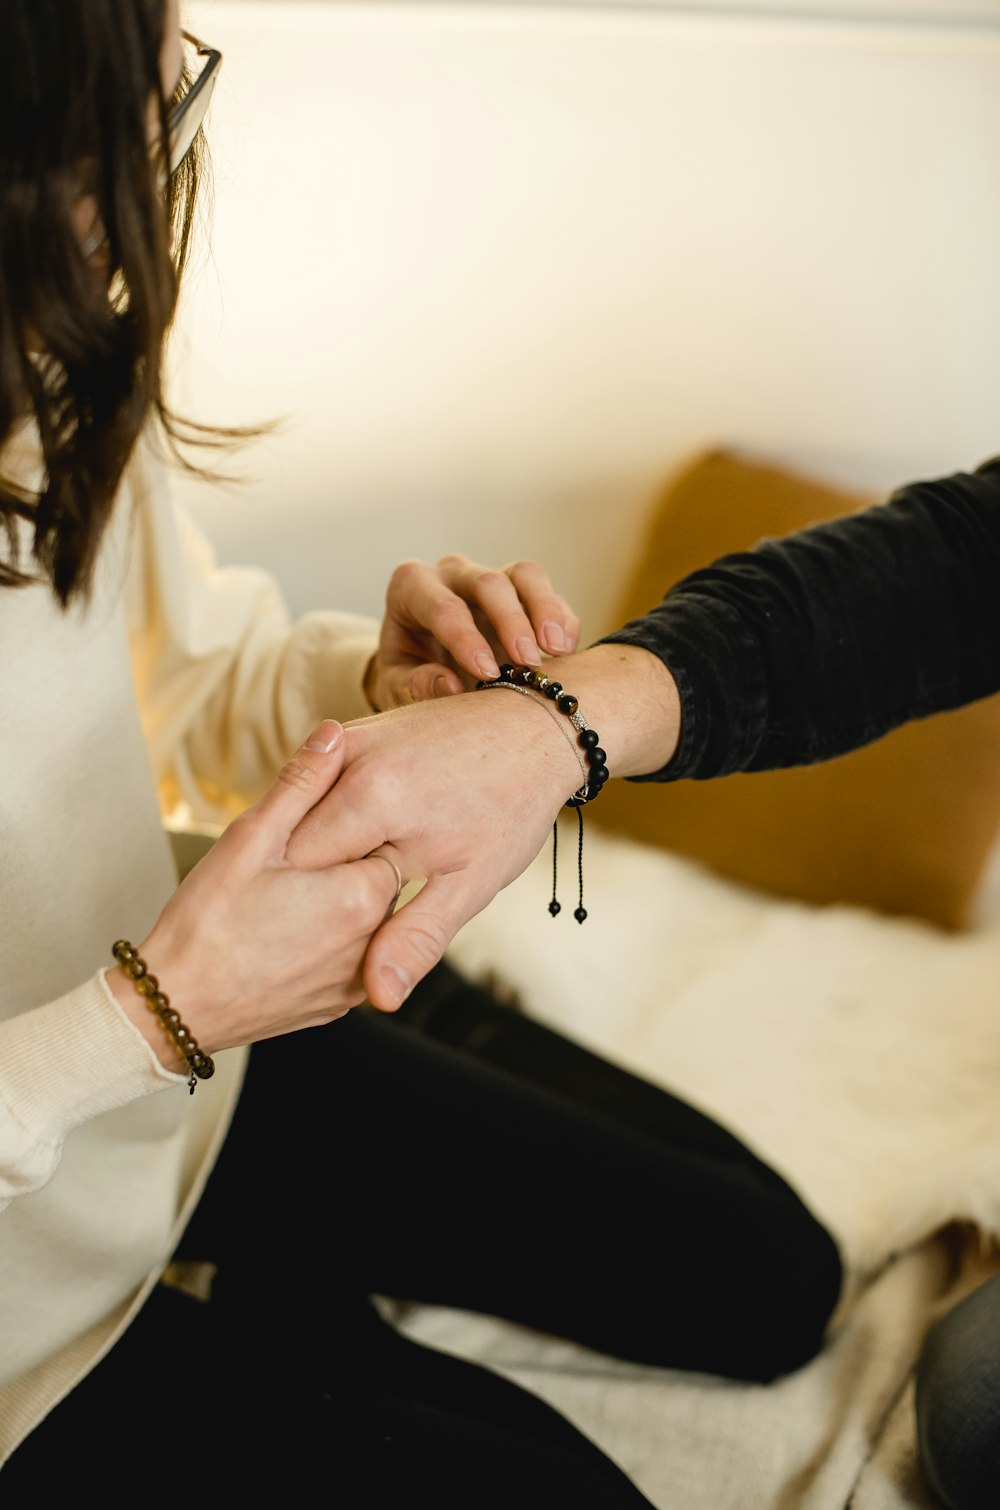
[{"x": 462, "y": 792}]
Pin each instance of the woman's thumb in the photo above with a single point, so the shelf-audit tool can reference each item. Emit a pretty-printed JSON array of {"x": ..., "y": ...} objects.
[{"x": 303, "y": 780}]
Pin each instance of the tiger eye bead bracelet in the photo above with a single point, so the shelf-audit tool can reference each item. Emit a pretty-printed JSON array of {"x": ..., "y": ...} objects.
[{"x": 201, "y": 1066}]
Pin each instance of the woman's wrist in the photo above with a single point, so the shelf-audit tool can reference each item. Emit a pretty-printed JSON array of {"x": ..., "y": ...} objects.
[
  {"x": 121, "y": 987},
  {"x": 184, "y": 1044}
]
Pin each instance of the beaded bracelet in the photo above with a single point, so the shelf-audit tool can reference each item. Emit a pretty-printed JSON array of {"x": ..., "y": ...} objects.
[
  {"x": 544, "y": 689},
  {"x": 201, "y": 1066}
]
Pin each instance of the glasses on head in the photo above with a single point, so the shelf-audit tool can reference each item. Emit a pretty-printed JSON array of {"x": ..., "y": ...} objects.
[
  {"x": 187, "y": 113},
  {"x": 185, "y": 118}
]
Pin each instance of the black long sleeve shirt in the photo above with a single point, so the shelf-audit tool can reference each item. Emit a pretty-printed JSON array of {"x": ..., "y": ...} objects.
[{"x": 811, "y": 645}]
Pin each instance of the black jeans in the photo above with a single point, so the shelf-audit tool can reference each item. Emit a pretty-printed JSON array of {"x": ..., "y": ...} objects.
[{"x": 460, "y": 1154}]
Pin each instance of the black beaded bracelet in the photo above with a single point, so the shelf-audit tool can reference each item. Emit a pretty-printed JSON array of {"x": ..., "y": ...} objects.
[
  {"x": 201, "y": 1066},
  {"x": 593, "y": 760}
]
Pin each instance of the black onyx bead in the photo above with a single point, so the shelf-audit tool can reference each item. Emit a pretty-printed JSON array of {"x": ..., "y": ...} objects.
[
  {"x": 526, "y": 676},
  {"x": 580, "y": 914},
  {"x": 506, "y": 671},
  {"x": 596, "y": 755},
  {"x": 552, "y": 689},
  {"x": 588, "y": 738},
  {"x": 554, "y": 907},
  {"x": 600, "y": 773},
  {"x": 567, "y": 703}
]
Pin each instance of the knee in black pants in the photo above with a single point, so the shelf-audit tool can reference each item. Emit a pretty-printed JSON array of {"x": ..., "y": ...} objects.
[
  {"x": 765, "y": 1293},
  {"x": 797, "y": 1295}
]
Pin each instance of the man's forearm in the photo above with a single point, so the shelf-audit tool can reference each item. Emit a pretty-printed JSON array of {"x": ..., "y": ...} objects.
[{"x": 814, "y": 644}]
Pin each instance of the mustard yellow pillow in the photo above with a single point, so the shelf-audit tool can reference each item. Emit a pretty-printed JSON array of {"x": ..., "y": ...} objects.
[{"x": 903, "y": 826}]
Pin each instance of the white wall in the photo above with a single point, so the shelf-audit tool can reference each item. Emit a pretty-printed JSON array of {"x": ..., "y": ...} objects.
[{"x": 503, "y": 266}]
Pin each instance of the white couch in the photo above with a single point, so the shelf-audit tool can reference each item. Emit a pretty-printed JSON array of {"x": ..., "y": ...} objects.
[{"x": 502, "y": 267}]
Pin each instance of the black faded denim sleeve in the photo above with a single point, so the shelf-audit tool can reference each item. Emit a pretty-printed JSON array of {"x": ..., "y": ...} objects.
[{"x": 811, "y": 645}]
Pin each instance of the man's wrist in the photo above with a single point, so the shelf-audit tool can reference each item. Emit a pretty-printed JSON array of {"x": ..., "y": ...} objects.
[
  {"x": 561, "y": 760},
  {"x": 628, "y": 695}
]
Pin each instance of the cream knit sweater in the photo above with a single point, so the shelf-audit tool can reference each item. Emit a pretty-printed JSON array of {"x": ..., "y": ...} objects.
[{"x": 177, "y": 682}]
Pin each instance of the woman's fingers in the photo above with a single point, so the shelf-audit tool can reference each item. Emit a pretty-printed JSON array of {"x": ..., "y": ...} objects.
[
  {"x": 432, "y": 679},
  {"x": 334, "y": 833},
  {"x": 519, "y": 607},
  {"x": 358, "y": 897},
  {"x": 495, "y": 596},
  {"x": 421, "y": 600},
  {"x": 556, "y": 626},
  {"x": 520, "y": 604}
]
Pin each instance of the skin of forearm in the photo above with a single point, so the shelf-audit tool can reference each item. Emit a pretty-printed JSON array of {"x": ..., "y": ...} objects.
[{"x": 630, "y": 698}]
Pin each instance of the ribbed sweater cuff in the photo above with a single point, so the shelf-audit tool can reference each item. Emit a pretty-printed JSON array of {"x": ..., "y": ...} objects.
[{"x": 73, "y": 1059}]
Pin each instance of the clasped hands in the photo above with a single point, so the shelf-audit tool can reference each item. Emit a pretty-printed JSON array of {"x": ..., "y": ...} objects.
[{"x": 288, "y": 922}]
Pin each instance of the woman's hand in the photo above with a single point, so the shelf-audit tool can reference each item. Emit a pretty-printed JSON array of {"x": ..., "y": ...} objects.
[
  {"x": 249, "y": 947},
  {"x": 445, "y": 625}
]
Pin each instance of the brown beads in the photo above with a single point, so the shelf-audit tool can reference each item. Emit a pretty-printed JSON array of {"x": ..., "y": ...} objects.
[{"x": 201, "y": 1066}]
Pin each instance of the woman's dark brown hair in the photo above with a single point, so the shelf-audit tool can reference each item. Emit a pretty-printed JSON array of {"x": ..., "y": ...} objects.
[{"x": 76, "y": 80}]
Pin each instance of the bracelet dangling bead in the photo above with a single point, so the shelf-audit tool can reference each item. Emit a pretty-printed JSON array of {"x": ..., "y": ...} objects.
[
  {"x": 201, "y": 1066},
  {"x": 586, "y": 742}
]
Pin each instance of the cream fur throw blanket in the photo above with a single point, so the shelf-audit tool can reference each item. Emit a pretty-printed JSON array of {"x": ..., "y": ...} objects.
[{"x": 860, "y": 1056}]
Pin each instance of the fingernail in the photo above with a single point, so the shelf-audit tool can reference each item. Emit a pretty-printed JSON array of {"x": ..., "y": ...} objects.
[
  {"x": 441, "y": 687},
  {"x": 397, "y": 985},
  {"x": 487, "y": 666},
  {"x": 528, "y": 651},
  {"x": 554, "y": 637},
  {"x": 325, "y": 738}
]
